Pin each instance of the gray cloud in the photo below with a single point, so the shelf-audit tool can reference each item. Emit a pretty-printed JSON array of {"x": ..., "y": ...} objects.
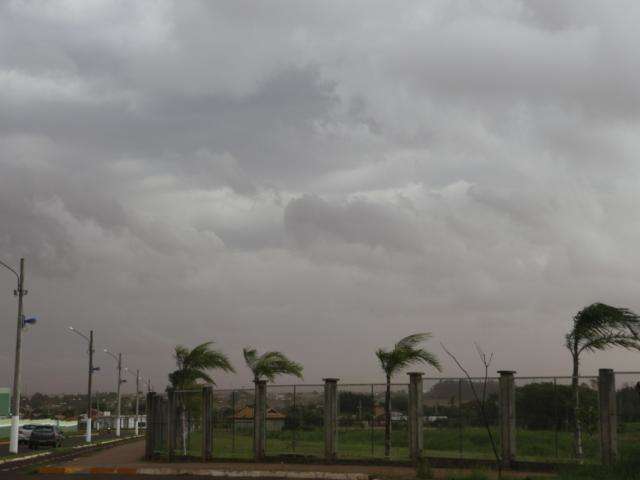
[
  {"x": 278, "y": 174},
  {"x": 309, "y": 219}
]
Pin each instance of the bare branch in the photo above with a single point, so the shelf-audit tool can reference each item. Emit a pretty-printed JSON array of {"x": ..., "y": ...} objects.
[
  {"x": 480, "y": 403},
  {"x": 487, "y": 363}
]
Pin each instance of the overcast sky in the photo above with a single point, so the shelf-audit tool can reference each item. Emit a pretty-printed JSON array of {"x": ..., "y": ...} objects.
[{"x": 320, "y": 178}]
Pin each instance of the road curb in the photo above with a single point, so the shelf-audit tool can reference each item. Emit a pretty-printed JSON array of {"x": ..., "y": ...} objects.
[
  {"x": 271, "y": 474},
  {"x": 24, "y": 457}
]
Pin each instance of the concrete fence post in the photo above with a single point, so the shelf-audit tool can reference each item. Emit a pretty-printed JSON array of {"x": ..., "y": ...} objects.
[
  {"x": 171, "y": 423},
  {"x": 160, "y": 429},
  {"x": 260, "y": 420},
  {"x": 207, "y": 423},
  {"x": 149, "y": 436},
  {"x": 330, "y": 418},
  {"x": 416, "y": 438},
  {"x": 507, "y": 401},
  {"x": 608, "y": 416}
]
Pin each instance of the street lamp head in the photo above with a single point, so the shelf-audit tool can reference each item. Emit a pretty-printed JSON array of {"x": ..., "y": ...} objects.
[
  {"x": 28, "y": 321},
  {"x": 71, "y": 328}
]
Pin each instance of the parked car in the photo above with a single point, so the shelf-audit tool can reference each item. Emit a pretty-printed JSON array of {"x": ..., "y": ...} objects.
[
  {"x": 46, "y": 435},
  {"x": 24, "y": 432}
]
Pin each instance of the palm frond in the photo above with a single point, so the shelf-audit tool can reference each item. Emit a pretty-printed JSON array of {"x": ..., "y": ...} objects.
[
  {"x": 194, "y": 364},
  {"x": 428, "y": 358},
  {"x": 601, "y": 319},
  {"x": 600, "y": 326},
  {"x": 271, "y": 364},
  {"x": 411, "y": 341},
  {"x": 181, "y": 353},
  {"x": 383, "y": 358},
  {"x": 630, "y": 342},
  {"x": 250, "y": 355},
  {"x": 405, "y": 353}
]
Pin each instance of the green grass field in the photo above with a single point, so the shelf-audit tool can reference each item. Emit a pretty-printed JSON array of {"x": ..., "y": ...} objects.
[{"x": 471, "y": 442}]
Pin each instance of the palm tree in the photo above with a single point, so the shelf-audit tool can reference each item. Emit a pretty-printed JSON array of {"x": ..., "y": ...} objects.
[
  {"x": 597, "y": 327},
  {"x": 270, "y": 364},
  {"x": 192, "y": 368},
  {"x": 403, "y": 354}
]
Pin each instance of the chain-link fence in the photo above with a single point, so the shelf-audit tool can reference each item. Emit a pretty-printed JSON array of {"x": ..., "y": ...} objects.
[
  {"x": 357, "y": 426},
  {"x": 233, "y": 423},
  {"x": 545, "y": 418},
  {"x": 462, "y": 419},
  {"x": 456, "y": 414},
  {"x": 187, "y": 423},
  {"x": 628, "y": 409},
  {"x": 307, "y": 421},
  {"x": 361, "y": 421},
  {"x": 281, "y": 420},
  {"x": 157, "y": 442}
]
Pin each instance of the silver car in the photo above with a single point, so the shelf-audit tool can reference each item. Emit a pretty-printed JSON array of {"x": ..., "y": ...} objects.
[{"x": 24, "y": 432}]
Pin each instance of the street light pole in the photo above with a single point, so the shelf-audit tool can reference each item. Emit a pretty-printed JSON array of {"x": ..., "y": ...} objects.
[
  {"x": 137, "y": 429},
  {"x": 120, "y": 382},
  {"x": 15, "y": 396},
  {"x": 89, "y": 417},
  {"x": 90, "y": 381},
  {"x": 118, "y": 411},
  {"x": 137, "y": 401}
]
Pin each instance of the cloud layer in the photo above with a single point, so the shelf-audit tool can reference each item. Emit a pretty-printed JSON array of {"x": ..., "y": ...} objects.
[{"x": 319, "y": 178}]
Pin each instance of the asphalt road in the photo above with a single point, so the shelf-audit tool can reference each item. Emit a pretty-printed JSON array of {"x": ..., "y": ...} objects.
[
  {"x": 77, "y": 476},
  {"x": 70, "y": 440}
]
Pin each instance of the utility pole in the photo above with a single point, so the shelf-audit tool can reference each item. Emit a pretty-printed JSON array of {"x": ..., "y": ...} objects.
[
  {"x": 91, "y": 351},
  {"x": 15, "y": 396},
  {"x": 137, "y": 400},
  {"x": 118, "y": 359},
  {"x": 92, "y": 369},
  {"x": 119, "y": 384},
  {"x": 138, "y": 392}
]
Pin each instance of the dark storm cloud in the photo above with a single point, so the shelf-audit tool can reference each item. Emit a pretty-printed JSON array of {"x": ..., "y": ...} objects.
[{"x": 287, "y": 172}]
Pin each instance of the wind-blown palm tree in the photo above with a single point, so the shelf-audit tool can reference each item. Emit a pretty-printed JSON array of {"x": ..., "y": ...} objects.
[
  {"x": 194, "y": 364},
  {"x": 192, "y": 368},
  {"x": 597, "y": 327},
  {"x": 270, "y": 364},
  {"x": 403, "y": 354}
]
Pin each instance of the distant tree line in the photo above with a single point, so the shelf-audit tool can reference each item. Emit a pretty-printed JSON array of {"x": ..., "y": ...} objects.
[{"x": 42, "y": 405}]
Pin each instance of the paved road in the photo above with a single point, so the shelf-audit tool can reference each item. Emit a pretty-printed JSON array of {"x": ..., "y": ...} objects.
[
  {"x": 77, "y": 476},
  {"x": 70, "y": 440}
]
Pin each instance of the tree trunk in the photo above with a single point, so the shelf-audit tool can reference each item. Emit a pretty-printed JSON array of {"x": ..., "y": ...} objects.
[
  {"x": 577, "y": 431},
  {"x": 387, "y": 419}
]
